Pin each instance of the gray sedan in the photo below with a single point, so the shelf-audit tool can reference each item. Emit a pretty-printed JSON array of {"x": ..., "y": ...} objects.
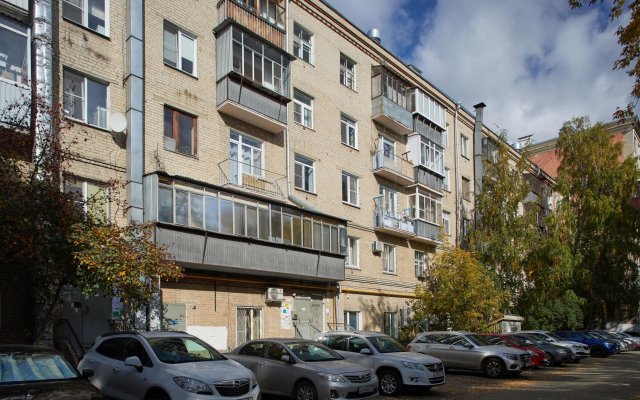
[{"x": 304, "y": 370}]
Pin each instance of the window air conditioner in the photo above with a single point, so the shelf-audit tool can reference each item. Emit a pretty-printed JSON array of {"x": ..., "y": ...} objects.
[
  {"x": 377, "y": 247},
  {"x": 274, "y": 295}
]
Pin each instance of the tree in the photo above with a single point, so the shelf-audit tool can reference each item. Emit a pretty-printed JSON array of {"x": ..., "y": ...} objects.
[
  {"x": 629, "y": 38},
  {"x": 597, "y": 187},
  {"x": 461, "y": 294}
]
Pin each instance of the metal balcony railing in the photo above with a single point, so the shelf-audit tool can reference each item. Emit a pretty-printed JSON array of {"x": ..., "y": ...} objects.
[
  {"x": 251, "y": 177},
  {"x": 384, "y": 218},
  {"x": 394, "y": 163},
  {"x": 250, "y": 19}
]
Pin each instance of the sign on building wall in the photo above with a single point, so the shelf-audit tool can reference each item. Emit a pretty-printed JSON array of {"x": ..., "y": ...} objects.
[{"x": 286, "y": 308}]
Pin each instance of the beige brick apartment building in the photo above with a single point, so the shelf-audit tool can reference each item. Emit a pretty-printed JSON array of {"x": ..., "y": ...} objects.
[{"x": 302, "y": 175}]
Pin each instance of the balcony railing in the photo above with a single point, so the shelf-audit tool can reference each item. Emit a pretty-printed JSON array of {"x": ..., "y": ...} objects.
[
  {"x": 392, "y": 115},
  {"x": 426, "y": 232},
  {"x": 393, "y": 167},
  {"x": 387, "y": 221},
  {"x": 249, "y": 18},
  {"x": 252, "y": 178}
]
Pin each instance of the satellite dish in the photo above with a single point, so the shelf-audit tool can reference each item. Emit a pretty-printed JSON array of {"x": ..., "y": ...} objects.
[{"x": 118, "y": 122}]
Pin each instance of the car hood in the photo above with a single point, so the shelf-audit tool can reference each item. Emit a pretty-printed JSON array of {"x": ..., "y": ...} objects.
[
  {"x": 411, "y": 356},
  {"x": 210, "y": 371},
  {"x": 334, "y": 367},
  {"x": 62, "y": 390},
  {"x": 571, "y": 343}
]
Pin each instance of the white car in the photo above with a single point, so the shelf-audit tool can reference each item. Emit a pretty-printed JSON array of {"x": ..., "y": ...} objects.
[
  {"x": 165, "y": 366},
  {"x": 395, "y": 366}
]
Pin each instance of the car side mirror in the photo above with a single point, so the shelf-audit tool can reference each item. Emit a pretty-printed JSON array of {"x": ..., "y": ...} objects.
[
  {"x": 87, "y": 373},
  {"x": 366, "y": 351},
  {"x": 286, "y": 359},
  {"x": 133, "y": 361}
]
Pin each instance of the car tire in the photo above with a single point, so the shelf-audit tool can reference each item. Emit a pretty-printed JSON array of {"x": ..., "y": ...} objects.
[
  {"x": 598, "y": 351},
  {"x": 305, "y": 390},
  {"x": 494, "y": 368},
  {"x": 390, "y": 382},
  {"x": 158, "y": 395},
  {"x": 548, "y": 360}
]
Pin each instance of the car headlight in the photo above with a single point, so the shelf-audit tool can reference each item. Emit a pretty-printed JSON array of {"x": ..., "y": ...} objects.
[
  {"x": 333, "y": 378},
  {"x": 562, "y": 351},
  {"x": 192, "y": 385},
  {"x": 412, "y": 365},
  {"x": 511, "y": 356},
  {"x": 254, "y": 381}
]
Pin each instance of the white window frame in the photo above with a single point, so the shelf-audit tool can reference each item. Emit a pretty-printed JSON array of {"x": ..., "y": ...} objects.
[
  {"x": 387, "y": 193},
  {"x": 431, "y": 156},
  {"x": 423, "y": 206},
  {"x": 302, "y": 44},
  {"x": 353, "y": 246},
  {"x": 85, "y": 102},
  {"x": 389, "y": 259},
  {"x": 347, "y": 123},
  {"x": 279, "y": 79},
  {"x": 241, "y": 142},
  {"x": 27, "y": 34},
  {"x": 305, "y": 164},
  {"x": 464, "y": 146},
  {"x": 300, "y": 108},
  {"x": 84, "y": 185},
  {"x": 446, "y": 222},
  {"x": 420, "y": 262},
  {"x": 357, "y": 317},
  {"x": 352, "y": 181},
  {"x": 85, "y": 16},
  {"x": 347, "y": 72},
  {"x": 181, "y": 34},
  {"x": 446, "y": 182},
  {"x": 260, "y": 317}
]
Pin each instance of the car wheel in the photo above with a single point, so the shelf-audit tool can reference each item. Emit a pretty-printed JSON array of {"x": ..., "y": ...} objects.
[
  {"x": 390, "y": 382},
  {"x": 494, "y": 368},
  {"x": 157, "y": 395},
  {"x": 548, "y": 360},
  {"x": 305, "y": 391},
  {"x": 598, "y": 351}
]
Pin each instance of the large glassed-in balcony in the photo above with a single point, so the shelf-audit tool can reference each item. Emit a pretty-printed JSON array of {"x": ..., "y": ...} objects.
[
  {"x": 426, "y": 212},
  {"x": 393, "y": 167},
  {"x": 265, "y": 18},
  {"x": 391, "y": 101}
]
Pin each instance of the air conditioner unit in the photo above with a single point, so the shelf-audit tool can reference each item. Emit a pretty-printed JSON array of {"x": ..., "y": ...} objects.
[
  {"x": 274, "y": 295},
  {"x": 377, "y": 247}
]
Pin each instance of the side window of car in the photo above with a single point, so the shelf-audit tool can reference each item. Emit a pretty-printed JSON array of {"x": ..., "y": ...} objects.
[
  {"x": 135, "y": 348},
  {"x": 456, "y": 340},
  {"x": 425, "y": 339},
  {"x": 112, "y": 348},
  {"x": 356, "y": 344},
  {"x": 336, "y": 342},
  {"x": 275, "y": 351},
  {"x": 255, "y": 349}
]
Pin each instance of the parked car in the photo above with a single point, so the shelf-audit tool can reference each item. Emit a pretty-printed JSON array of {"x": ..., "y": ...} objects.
[
  {"x": 556, "y": 355},
  {"x": 622, "y": 345},
  {"x": 537, "y": 356},
  {"x": 37, "y": 372},
  {"x": 597, "y": 346},
  {"x": 304, "y": 370},
  {"x": 635, "y": 340},
  {"x": 165, "y": 366},
  {"x": 633, "y": 333},
  {"x": 466, "y": 350},
  {"x": 580, "y": 351},
  {"x": 392, "y": 363}
]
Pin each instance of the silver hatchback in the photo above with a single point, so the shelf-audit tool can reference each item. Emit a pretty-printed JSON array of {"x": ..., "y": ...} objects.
[
  {"x": 304, "y": 370},
  {"x": 465, "y": 350}
]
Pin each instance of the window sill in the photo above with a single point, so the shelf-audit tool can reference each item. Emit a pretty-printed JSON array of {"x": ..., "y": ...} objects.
[
  {"x": 351, "y": 205},
  {"x": 350, "y": 147},
  {"x": 304, "y": 126},
  {"x": 72, "y": 22},
  {"x": 305, "y": 191},
  {"x": 88, "y": 125},
  {"x": 195, "y": 157},
  {"x": 181, "y": 71},
  {"x": 352, "y": 89},
  {"x": 390, "y": 273},
  {"x": 353, "y": 267}
]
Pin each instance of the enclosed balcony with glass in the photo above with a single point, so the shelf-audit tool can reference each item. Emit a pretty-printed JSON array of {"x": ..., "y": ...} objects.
[
  {"x": 430, "y": 109},
  {"x": 265, "y": 18},
  {"x": 426, "y": 153},
  {"x": 426, "y": 212},
  {"x": 391, "y": 100}
]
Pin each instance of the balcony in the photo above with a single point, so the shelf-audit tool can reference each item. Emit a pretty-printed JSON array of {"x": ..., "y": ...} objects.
[
  {"x": 392, "y": 115},
  {"x": 426, "y": 233},
  {"x": 268, "y": 27},
  {"x": 252, "y": 179},
  {"x": 392, "y": 223},
  {"x": 393, "y": 168},
  {"x": 428, "y": 180}
]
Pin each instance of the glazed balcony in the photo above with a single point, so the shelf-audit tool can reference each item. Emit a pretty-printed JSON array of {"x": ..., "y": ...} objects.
[
  {"x": 391, "y": 101},
  {"x": 268, "y": 24},
  {"x": 393, "y": 168},
  {"x": 426, "y": 232},
  {"x": 391, "y": 115}
]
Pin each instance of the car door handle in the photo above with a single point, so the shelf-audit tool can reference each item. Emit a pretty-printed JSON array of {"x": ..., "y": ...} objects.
[{"x": 116, "y": 370}]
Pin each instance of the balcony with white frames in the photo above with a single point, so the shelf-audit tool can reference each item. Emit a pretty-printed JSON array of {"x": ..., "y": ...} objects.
[
  {"x": 393, "y": 168},
  {"x": 252, "y": 179}
]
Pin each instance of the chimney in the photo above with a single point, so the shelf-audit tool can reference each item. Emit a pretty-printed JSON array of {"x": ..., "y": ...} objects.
[
  {"x": 374, "y": 33},
  {"x": 477, "y": 148}
]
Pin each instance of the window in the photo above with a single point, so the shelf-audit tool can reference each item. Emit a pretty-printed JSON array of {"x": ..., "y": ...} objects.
[
  {"x": 446, "y": 183},
  {"x": 466, "y": 189},
  {"x": 389, "y": 257},
  {"x": 112, "y": 348},
  {"x": 426, "y": 208},
  {"x": 302, "y": 109},
  {"x": 347, "y": 72},
  {"x": 180, "y": 131},
  {"x": 391, "y": 324},
  {"x": 421, "y": 264},
  {"x": 135, "y": 348},
  {"x": 353, "y": 256},
  {"x": 431, "y": 156},
  {"x": 302, "y": 43},
  {"x": 249, "y": 324},
  {"x": 445, "y": 138},
  {"x": 246, "y": 155},
  {"x": 92, "y": 198},
  {"x": 466, "y": 223},
  {"x": 446, "y": 222},
  {"x": 464, "y": 146},
  {"x": 389, "y": 200},
  {"x": 390, "y": 86},
  {"x": 271, "y": 10},
  {"x": 85, "y": 99},
  {"x": 14, "y": 51},
  {"x": 348, "y": 131},
  {"x": 352, "y": 319},
  {"x": 179, "y": 49},
  {"x": 304, "y": 173},
  {"x": 255, "y": 349},
  {"x": 92, "y": 14},
  {"x": 350, "y": 189}
]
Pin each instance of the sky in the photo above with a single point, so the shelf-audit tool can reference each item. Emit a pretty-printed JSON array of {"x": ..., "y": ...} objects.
[{"x": 534, "y": 63}]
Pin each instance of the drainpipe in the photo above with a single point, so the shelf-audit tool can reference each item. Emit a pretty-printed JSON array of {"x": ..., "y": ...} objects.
[
  {"x": 456, "y": 170},
  {"x": 478, "y": 168},
  {"x": 41, "y": 74}
]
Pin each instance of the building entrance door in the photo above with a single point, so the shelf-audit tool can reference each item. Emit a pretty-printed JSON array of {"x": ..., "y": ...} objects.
[{"x": 307, "y": 316}]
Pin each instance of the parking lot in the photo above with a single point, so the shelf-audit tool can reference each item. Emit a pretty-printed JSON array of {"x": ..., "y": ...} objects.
[{"x": 615, "y": 378}]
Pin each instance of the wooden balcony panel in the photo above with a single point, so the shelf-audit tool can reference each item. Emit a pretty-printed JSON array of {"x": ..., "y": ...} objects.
[{"x": 230, "y": 9}]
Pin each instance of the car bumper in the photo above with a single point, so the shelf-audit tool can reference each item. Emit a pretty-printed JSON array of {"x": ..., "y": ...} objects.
[
  {"x": 516, "y": 365},
  {"x": 423, "y": 378},
  {"x": 337, "y": 390},
  {"x": 178, "y": 393}
]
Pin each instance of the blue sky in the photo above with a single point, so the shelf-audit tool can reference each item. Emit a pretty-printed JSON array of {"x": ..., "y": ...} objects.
[{"x": 535, "y": 63}]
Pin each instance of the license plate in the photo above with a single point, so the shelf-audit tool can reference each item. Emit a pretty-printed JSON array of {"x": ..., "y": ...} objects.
[{"x": 366, "y": 389}]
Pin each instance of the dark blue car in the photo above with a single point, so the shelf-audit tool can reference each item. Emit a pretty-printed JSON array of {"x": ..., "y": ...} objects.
[{"x": 598, "y": 347}]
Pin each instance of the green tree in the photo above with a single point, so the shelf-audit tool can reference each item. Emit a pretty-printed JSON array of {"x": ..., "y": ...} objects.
[
  {"x": 461, "y": 294},
  {"x": 597, "y": 186}
]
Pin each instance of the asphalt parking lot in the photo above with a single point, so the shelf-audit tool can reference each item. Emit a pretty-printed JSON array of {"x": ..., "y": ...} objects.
[{"x": 614, "y": 378}]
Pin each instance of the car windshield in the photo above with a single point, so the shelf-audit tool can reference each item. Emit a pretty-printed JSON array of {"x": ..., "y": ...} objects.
[
  {"x": 311, "y": 352},
  {"x": 177, "y": 350},
  {"x": 479, "y": 340},
  {"x": 538, "y": 338},
  {"x": 607, "y": 335},
  {"x": 554, "y": 336},
  {"x": 596, "y": 335},
  {"x": 520, "y": 341},
  {"x": 386, "y": 344},
  {"x": 31, "y": 367}
]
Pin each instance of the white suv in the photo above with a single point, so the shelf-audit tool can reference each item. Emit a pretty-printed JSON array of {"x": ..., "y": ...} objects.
[
  {"x": 165, "y": 366},
  {"x": 394, "y": 365}
]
